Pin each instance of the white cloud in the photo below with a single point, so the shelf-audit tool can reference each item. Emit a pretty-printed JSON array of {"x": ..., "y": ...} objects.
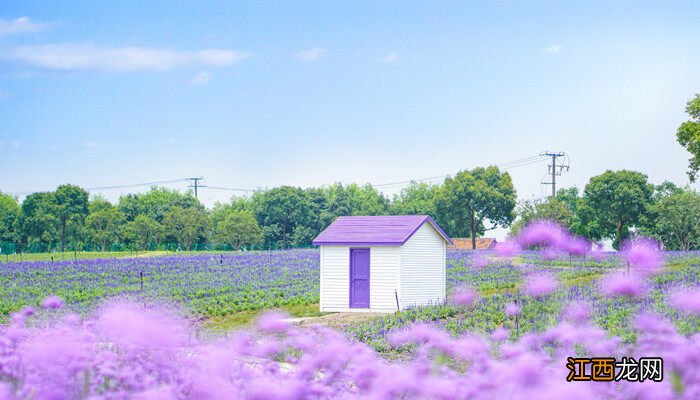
[
  {"x": 20, "y": 25},
  {"x": 311, "y": 54},
  {"x": 202, "y": 78},
  {"x": 88, "y": 57},
  {"x": 555, "y": 48},
  {"x": 390, "y": 58}
]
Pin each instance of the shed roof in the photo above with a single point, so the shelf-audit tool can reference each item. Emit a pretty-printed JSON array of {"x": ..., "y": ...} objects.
[{"x": 392, "y": 230}]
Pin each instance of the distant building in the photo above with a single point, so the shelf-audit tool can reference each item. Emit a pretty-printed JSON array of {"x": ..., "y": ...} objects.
[
  {"x": 466, "y": 244},
  {"x": 382, "y": 263}
]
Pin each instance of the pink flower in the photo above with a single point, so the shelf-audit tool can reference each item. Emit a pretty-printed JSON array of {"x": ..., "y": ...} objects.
[
  {"x": 687, "y": 301},
  {"x": 512, "y": 309},
  {"x": 579, "y": 312},
  {"x": 273, "y": 322},
  {"x": 622, "y": 285},
  {"x": 541, "y": 285},
  {"x": 543, "y": 233},
  {"x": 578, "y": 246},
  {"x": 507, "y": 249},
  {"x": 52, "y": 302},
  {"x": 642, "y": 254},
  {"x": 500, "y": 334},
  {"x": 464, "y": 297}
]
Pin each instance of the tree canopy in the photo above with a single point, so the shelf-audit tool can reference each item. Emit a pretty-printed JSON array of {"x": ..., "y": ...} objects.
[
  {"x": 466, "y": 203},
  {"x": 613, "y": 203},
  {"x": 688, "y": 135}
]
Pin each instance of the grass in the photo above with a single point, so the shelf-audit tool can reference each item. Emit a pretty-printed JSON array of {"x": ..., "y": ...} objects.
[
  {"x": 245, "y": 318},
  {"x": 80, "y": 255}
]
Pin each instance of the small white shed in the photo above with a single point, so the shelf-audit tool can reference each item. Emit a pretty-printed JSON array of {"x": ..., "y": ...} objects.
[{"x": 382, "y": 263}]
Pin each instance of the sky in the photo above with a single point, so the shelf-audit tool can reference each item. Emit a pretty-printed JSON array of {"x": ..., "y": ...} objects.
[{"x": 307, "y": 93}]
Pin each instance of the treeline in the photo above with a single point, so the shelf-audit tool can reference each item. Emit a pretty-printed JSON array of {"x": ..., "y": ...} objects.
[
  {"x": 618, "y": 205},
  {"x": 614, "y": 205}
]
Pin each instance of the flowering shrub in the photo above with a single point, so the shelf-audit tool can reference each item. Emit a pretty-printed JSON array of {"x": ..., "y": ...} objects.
[{"x": 130, "y": 352}]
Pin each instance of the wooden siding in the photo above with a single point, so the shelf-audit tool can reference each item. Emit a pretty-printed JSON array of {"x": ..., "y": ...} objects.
[
  {"x": 423, "y": 272},
  {"x": 335, "y": 278}
]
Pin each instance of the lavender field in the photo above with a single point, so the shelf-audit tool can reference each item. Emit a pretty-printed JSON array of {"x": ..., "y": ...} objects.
[
  {"x": 205, "y": 284},
  {"x": 513, "y": 319}
]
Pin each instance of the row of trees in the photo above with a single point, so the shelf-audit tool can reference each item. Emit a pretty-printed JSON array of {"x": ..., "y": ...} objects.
[
  {"x": 617, "y": 205},
  {"x": 614, "y": 205},
  {"x": 281, "y": 217}
]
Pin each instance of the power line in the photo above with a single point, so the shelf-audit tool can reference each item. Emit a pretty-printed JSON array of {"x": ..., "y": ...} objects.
[
  {"x": 229, "y": 189},
  {"x": 125, "y": 186},
  {"x": 507, "y": 165},
  {"x": 196, "y": 185}
]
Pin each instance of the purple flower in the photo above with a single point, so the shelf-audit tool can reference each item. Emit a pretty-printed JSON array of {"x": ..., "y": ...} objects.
[
  {"x": 619, "y": 284},
  {"x": 579, "y": 312},
  {"x": 643, "y": 254},
  {"x": 687, "y": 301},
  {"x": 543, "y": 233},
  {"x": 500, "y": 334},
  {"x": 464, "y": 296},
  {"x": 512, "y": 309},
  {"x": 52, "y": 302},
  {"x": 273, "y": 322},
  {"x": 541, "y": 285},
  {"x": 578, "y": 246},
  {"x": 507, "y": 249}
]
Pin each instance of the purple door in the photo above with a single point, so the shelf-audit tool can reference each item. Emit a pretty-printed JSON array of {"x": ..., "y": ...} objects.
[{"x": 359, "y": 278}]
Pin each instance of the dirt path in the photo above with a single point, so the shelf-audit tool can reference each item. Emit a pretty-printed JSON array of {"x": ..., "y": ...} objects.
[{"x": 339, "y": 320}]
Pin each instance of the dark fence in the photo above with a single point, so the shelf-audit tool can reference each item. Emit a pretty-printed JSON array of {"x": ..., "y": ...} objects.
[{"x": 13, "y": 248}]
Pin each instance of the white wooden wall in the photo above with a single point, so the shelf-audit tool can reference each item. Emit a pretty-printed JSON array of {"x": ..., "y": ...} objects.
[
  {"x": 384, "y": 262},
  {"x": 423, "y": 268}
]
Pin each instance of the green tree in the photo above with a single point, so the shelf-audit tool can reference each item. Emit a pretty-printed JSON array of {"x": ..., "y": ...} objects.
[
  {"x": 338, "y": 200},
  {"x": 238, "y": 228},
  {"x": 613, "y": 203},
  {"x": 142, "y": 231},
  {"x": 676, "y": 221},
  {"x": 103, "y": 223},
  {"x": 71, "y": 209},
  {"x": 186, "y": 225},
  {"x": 552, "y": 209},
  {"x": 98, "y": 203},
  {"x": 221, "y": 210},
  {"x": 280, "y": 210},
  {"x": 688, "y": 135},
  {"x": 466, "y": 202},
  {"x": 9, "y": 213},
  {"x": 155, "y": 203},
  {"x": 37, "y": 223},
  {"x": 416, "y": 199}
]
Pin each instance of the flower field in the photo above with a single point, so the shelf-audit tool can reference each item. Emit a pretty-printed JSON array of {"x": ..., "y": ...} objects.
[
  {"x": 513, "y": 320},
  {"x": 206, "y": 284}
]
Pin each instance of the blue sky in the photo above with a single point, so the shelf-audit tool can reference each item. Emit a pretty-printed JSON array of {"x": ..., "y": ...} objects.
[{"x": 260, "y": 94}]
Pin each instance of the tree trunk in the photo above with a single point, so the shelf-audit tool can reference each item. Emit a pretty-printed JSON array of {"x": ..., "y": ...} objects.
[
  {"x": 102, "y": 246},
  {"x": 472, "y": 229},
  {"x": 619, "y": 236},
  {"x": 284, "y": 236},
  {"x": 63, "y": 237}
]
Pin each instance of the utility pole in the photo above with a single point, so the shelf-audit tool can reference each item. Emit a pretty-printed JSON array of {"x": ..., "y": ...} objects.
[
  {"x": 554, "y": 169},
  {"x": 195, "y": 184}
]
